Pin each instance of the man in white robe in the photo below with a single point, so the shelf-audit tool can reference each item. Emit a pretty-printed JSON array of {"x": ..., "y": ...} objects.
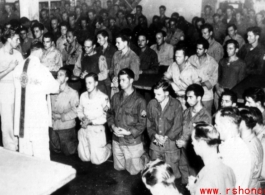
[{"x": 33, "y": 82}]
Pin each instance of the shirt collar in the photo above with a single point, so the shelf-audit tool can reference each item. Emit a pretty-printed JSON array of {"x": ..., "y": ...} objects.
[{"x": 249, "y": 138}]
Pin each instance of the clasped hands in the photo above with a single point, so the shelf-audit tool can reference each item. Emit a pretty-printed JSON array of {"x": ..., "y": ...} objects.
[
  {"x": 160, "y": 140},
  {"x": 120, "y": 132}
]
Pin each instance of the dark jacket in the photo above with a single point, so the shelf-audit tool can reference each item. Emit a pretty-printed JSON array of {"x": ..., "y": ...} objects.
[
  {"x": 166, "y": 123},
  {"x": 128, "y": 113}
]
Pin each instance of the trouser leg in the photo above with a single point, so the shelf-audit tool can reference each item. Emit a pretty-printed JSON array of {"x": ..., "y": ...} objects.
[
  {"x": 83, "y": 145},
  {"x": 172, "y": 158},
  {"x": 10, "y": 142},
  {"x": 133, "y": 161},
  {"x": 183, "y": 167},
  {"x": 118, "y": 156},
  {"x": 216, "y": 101},
  {"x": 41, "y": 147},
  {"x": 100, "y": 150},
  {"x": 68, "y": 141},
  {"x": 54, "y": 141}
]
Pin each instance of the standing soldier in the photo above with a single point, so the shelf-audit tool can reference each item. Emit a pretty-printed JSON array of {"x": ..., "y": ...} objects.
[{"x": 164, "y": 126}]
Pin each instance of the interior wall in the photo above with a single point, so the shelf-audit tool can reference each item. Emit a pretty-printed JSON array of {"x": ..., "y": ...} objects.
[{"x": 186, "y": 8}]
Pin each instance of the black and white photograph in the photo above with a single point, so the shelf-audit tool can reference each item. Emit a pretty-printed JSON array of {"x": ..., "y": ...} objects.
[{"x": 132, "y": 97}]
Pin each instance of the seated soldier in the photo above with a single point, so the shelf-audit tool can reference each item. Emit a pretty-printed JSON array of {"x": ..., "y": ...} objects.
[
  {"x": 73, "y": 50},
  {"x": 164, "y": 51},
  {"x": 52, "y": 57},
  {"x": 232, "y": 34},
  {"x": 228, "y": 99},
  {"x": 148, "y": 57}
]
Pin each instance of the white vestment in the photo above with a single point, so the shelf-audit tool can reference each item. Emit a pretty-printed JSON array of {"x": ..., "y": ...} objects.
[{"x": 38, "y": 83}]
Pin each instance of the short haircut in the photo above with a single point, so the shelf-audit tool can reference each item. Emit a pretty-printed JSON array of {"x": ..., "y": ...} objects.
[
  {"x": 230, "y": 93},
  {"x": 203, "y": 42},
  {"x": 200, "y": 20},
  {"x": 91, "y": 11},
  {"x": 257, "y": 115},
  {"x": 48, "y": 35},
  {"x": 216, "y": 15},
  {"x": 123, "y": 37},
  {"x": 23, "y": 20},
  {"x": 231, "y": 25},
  {"x": 128, "y": 72},
  {"x": 207, "y": 132},
  {"x": 175, "y": 14},
  {"x": 23, "y": 29},
  {"x": 143, "y": 34},
  {"x": 72, "y": 15},
  {"x": 197, "y": 90},
  {"x": 163, "y": 7},
  {"x": 73, "y": 32},
  {"x": 65, "y": 24},
  {"x": 164, "y": 84},
  {"x": 230, "y": 7},
  {"x": 93, "y": 75},
  {"x": 54, "y": 18},
  {"x": 37, "y": 45},
  {"x": 255, "y": 29},
  {"x": 207, "y": 26},
  {"x": 44, "y": 10},
  {"x": 248, "y": 118},
  {"x": 158, "y": 172},
  {"x": 183, "y": 48},
  {"x": 67, "y": 72},
  {"x": 208, "y": 6},
  {"x": 164, "y": 34},
  {"x": 129, "y": 16},
  {"x": 38, "y": 25},
  {"x": 112, "y": 18},
  {"x": 94, "y": 42},
  {"x": 9, "y": 34},
  {"x": 232, "y": 41},
  {"x": 139, "y": 7},
  {"x": 103, "y": 33},
  {"x": 83, "y": 19},
  {"x": 232, "y": 113},
  {"x": 173, "y": 20},
  {"x": 99, "y": 20},
  {"x": 257, "y": 94}
]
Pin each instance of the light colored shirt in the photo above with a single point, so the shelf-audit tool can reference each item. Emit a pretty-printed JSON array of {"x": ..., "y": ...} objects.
[
  {"x": 236, "y": 155},
  {"x": 128, "y": 60},
  {"x": 207, "y": 69},
  {"x": 65, "y": 103},
  {"x": 261, "y": 137},
  {"x": 60, "y": 45},
  {"x": 174, "y": 37},
  {"x": 238, "y": 38},
  {"x": 215, "y": 50},
  {"x": 73, "y": 52},
  {"x": 52, "y": 59},
  {"x": 165, "y": 54},
  {"x": 256, "y": 152},
  {"x": 94, "y": 109},
  {"x": 215, "y": 175},
  {"x": 5, "y": 60},
  {"x": 184, "y": 78}
]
